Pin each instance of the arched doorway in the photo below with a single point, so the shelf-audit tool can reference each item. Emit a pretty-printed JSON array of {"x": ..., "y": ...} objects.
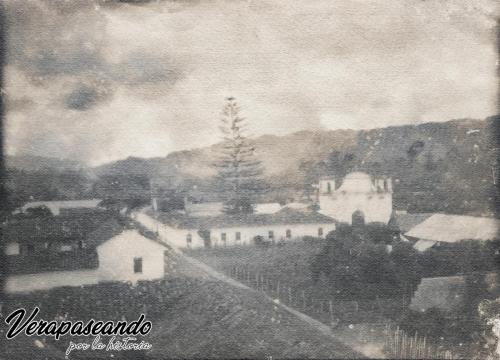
[{"x": 358, "y": 218}]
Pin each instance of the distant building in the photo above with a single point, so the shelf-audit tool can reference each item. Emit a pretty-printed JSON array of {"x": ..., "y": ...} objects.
[
  {"x": 285, "y": 225},
  {"x": 114, "y": 251},
  {"x": 359, "y": 197},
  {"x": 448, "y": 293},
  {"x": 444, "y": 228},
  {"x": 267, "y": 208},
  {"x": 57, "y": 206}
]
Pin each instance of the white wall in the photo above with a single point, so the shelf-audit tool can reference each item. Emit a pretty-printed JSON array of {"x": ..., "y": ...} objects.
[
  {"x": 12, "y": 248},
  {"x": 116, "y": 258},
  {"x": 177, "y": 237},
  {"x": 377, "y": 207},
  {"x": 249, "y": 232}
]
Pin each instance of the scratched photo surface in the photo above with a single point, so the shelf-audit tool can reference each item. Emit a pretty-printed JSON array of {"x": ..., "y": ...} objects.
[{"x": 250, "y": 179}]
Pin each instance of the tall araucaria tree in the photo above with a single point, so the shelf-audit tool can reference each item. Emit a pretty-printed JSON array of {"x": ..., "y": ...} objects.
[{"x": 239, "y": 175}]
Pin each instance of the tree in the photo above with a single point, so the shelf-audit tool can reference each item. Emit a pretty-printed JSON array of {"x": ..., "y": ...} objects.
[{"x": 239, "y": 172}]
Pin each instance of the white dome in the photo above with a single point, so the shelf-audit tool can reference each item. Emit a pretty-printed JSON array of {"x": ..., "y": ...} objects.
[{"x": 357, "y": 182}]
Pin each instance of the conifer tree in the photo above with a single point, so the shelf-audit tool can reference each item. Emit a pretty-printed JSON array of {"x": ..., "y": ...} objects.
[{"x": 239, "y": 175}]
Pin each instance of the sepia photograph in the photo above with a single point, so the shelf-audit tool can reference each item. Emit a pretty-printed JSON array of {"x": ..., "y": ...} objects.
[{"x": 249, "y": 179}]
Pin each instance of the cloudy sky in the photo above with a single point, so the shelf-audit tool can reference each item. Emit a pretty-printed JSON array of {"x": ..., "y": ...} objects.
[{"x": 102, "y": 80}]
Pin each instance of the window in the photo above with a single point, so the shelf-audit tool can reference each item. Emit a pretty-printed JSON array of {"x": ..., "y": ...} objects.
[
  {"x": 271, "y": 234},
  {"x": 238, "y": 236},
  {"x": 320, "y": 232},
  {"x": 189, "y": 238},
  {"x": 223, "y": 236},
  {"x": 30, "y": 249},
  {"x": 288, "y": 233},
  {"x": 137, "y": 265},
  {"x": 328, "y": 188}
]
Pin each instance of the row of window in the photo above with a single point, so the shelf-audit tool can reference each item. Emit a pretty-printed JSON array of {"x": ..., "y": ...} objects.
[{"x": 270, "y": 234}]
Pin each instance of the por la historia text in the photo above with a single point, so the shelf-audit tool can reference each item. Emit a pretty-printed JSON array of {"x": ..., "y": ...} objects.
[{"x": 113, "y": 344}]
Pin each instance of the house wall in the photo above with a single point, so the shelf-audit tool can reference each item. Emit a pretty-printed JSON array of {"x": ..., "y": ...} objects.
[
  {"x": 175, "y": 237},
  {"x": 12, "y": 248},
  {"x": 249, "y": 232},
  {"x": 178, "y": 237},
  {"x": 116, "y": 263},
  {"x": 116, "y": 258},
  {"x": 376, "y": 207}
]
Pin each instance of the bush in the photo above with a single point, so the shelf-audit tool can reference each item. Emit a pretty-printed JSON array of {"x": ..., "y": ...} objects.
[{"x": 259, "y": 241}]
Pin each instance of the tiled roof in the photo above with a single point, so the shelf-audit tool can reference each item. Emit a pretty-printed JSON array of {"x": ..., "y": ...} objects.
[
  {"x": 53, "y": 228},
  {"x": 55, "y": 206}
]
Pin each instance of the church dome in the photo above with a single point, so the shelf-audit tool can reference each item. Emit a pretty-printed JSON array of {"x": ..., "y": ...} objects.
[{"x": 357, "y": 182}]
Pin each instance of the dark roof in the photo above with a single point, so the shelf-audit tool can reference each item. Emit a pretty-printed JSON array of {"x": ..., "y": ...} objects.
[
  {"x": 405, "y": 222},
  {"x": 53, "y": 228},
  {"x": 282, "y": 217},
  {"x": 116, "y": 226}
]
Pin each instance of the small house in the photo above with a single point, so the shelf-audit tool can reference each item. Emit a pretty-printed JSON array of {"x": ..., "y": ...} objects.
[{"x": 117, "y": 250}]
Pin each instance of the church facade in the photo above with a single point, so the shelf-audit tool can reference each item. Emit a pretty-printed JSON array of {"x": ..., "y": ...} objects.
[{"x": 359, "y": 198}]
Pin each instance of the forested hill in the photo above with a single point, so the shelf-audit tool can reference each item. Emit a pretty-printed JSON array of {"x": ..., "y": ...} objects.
[{"x": 447, "y": 166}]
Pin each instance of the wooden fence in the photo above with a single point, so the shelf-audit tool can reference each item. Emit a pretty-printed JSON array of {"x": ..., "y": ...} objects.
[{"x": 398, "y": 344}]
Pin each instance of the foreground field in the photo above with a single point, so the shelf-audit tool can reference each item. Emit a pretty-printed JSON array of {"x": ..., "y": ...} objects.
[{"x": 193, "y": 316}]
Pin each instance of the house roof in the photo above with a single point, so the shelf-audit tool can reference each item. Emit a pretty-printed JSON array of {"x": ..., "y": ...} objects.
[
  {"x": 454, "y": 228},
  {"x": 55, "y": 206},
  {"x": 267, "y": 208},
  {"x": 448, "y": 292},
  {"x": 405, "y": 222},
  {"x": 52, "y": 228},
  {"x": 422, "y": 245},
  {"x": 282, "y": 217}
]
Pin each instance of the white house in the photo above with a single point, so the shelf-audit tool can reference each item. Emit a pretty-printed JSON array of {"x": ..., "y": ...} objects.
[
  {"x": 359, "y": 196},
  {"x": 123, "y": 254},
  {"x": 444, "y": 228},
  {"x": 285, "y": 225}
]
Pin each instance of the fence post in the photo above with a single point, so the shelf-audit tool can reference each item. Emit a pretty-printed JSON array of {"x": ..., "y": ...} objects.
[
  {"x": 290, "y": 296},
  {"x": 303, "y": 300},
  {"x": 331, "y": 310}
]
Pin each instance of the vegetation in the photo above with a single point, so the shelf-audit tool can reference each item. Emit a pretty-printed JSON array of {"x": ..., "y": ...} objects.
[
  {"x": 357, "y": 263},
  {"x": 239, "y": 171}
]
